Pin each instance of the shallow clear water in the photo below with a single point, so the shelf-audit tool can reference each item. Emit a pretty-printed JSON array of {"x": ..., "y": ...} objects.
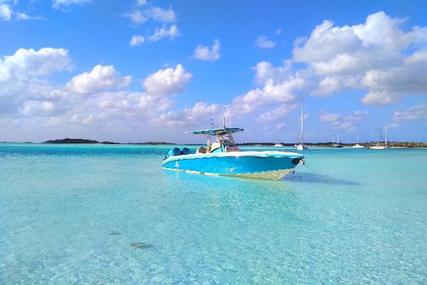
[{"x": 80, "y": 214}]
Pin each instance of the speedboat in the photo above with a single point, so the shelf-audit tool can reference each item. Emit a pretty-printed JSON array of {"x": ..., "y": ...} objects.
[{"x": 223, "y": 157}]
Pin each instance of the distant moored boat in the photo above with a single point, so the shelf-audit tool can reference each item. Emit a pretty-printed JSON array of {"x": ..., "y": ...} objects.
[{"x": 300, "y": 146}]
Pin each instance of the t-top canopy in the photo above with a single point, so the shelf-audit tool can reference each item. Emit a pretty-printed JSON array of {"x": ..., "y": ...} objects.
[{"x": 214, "y": 132}]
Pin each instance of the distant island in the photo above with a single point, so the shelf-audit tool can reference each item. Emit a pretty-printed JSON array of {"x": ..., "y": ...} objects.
[
  {"x": 86, "y": 141},
  {"x": 264, "y": 144},
  {"x": 67, "y": 140}
]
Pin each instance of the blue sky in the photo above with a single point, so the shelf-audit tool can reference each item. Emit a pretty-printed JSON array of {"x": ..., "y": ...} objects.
[{"x": 134, "y": 70}]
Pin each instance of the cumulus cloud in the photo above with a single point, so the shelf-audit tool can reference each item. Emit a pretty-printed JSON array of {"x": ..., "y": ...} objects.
[
  {"x": 100, "y": 78},
  {"x": 24, "y": 86},
  {"x": 377, "y": 56},
  {"x": 25, "y": 63},
  {"x": 208, "y": 54},
  {"x": 270, "y": 93},
  {"x": 29, "y": 101},
  {"x": 58, "y": 4},
  {"x": 346, "y": 122},
  {"x": 37, "y": 108},
  {"x": 327, "y": 85},
  {"x": 164, "y": 32},
  {"x": 264, "y": 42},
  {"x": 136, "y": 40},
  {"x": 265, "y": 71},
  {"x": 167, "y": 81},
  {"x": 277, "y": 85},
  {"x": 197, "y": 115}
]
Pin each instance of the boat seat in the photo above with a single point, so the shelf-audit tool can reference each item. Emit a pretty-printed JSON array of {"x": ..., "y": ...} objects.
[
  {"x": 201, "y": 150},
  {"x": 231, "y": 148},
  {"x": 215, "y": 147}
]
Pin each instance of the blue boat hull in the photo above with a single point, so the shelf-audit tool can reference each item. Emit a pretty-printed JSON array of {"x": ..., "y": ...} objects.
[{"x": 266, "y": 165}]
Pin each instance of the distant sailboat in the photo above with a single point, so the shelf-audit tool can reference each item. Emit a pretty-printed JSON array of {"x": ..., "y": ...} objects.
[
  {"x": 337, "y": 144},
  {"x": 278, "y": 145},
  {"x": 380, "y": 146},
  {"x": 357, "y": 145},
  {"x": 301, "y": 145}
]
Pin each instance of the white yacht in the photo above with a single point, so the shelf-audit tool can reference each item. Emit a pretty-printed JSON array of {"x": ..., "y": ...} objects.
[
  {"x": 380, "y": 146},
  {"x": 357, "y": 145}
]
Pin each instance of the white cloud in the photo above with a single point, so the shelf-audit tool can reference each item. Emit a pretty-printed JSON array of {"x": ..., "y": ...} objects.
[
  {"x": 347, "y": 122},
  {"x": 164, "y": 32},
  {"x": 328, "y": 117},
  {"x": 417, "y": 112},
  {"x": 154, "y": 13},
  {"x": 37, "y": 108},
  {"x": 136, "y": 17},
  {"x": 277, "y": 113},
  {"x": 136, "y": 40},
  {"x": 31, "y": 63},
  {"x": 196, "y": 116},
  {"x": 29, "y": 101},
  {"x": 167, "y": 81},
  {"x": 5, "y": 12},
  {"x": 265, "y": 71},
  {"x": 269, "y": 93},
  {"x": 101, "y": 77},
  {"x": 206, "y": 53},
  {"x": 264, "y": 42},
  {"x": 377, "y": 56},
  {"x": 21, "y": 16},
  {"x": 23, "y": 77},
  {"x": 57, "y": 4},
  {"x": 161, "y": 15},
  {"x": 326, "y": 86}
]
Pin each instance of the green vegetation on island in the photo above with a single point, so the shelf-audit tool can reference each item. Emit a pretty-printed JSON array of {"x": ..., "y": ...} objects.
[{"x": 87, "y": 141}]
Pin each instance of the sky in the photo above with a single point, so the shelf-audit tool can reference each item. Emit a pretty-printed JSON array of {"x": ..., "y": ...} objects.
[{"x": 136, "y": 71}]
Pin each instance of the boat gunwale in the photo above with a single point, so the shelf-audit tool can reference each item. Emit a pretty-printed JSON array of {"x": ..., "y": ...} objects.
[{"x": 257, "y": 154}]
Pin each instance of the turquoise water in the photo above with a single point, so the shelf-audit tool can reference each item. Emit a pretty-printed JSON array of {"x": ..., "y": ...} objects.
[{"x": 109, "y": 215}]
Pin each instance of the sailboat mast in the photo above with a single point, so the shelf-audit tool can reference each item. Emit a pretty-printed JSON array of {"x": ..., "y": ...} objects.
[
  {"x": 302, "y": 125},
  {"x": 386, "y": 136}
]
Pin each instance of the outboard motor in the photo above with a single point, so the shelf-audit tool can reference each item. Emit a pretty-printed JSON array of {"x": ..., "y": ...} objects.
[{"x": 174, "y": 151}]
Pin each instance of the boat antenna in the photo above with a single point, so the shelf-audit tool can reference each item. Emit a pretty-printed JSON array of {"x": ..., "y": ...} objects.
[
  {"x": 224, "y": 117},
  {"x": 212, "y": 120}
]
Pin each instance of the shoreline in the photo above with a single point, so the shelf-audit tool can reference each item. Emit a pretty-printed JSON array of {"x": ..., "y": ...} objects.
[{"x": 394, "y": 144}]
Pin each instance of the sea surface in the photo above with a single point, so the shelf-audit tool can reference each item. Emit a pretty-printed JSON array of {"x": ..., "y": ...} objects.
[{"x": 108, "y": 214}]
